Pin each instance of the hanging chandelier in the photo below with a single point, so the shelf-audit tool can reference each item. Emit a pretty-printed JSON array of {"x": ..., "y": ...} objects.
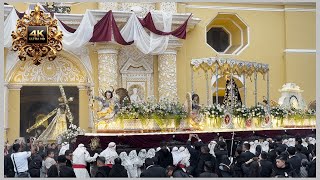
[{"x": 37, "y": 36}]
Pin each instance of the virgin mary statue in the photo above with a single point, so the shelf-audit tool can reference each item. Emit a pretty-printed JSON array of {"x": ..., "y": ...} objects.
[{"x": 232, "y": 96}]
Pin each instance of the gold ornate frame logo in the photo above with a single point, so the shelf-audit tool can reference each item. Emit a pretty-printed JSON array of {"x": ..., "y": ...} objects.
[{"x": 37, "y": 51}]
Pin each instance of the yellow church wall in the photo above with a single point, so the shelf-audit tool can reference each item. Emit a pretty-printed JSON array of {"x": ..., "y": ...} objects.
[
  {"x": 21, "y": 7},
  {"x": 301, "y": 69},
  {"x": 266, "y": 46},
  {"x": 300, "y": 30}
]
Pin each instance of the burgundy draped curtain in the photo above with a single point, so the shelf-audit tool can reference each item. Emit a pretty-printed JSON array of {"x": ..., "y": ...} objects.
[
  {"x": 107, "y": 26},
  {"x": 180, "y": 32}
]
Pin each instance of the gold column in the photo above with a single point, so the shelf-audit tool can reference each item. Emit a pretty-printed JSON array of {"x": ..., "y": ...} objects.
[
  {"x": 13, "y": 126},
  {"x": 84, "y": 118},
  {"x": 108, "y": 72},
  {"x": 167, "y": 69}
]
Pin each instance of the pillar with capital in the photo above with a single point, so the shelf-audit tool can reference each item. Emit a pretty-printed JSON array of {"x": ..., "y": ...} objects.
[
  {"x": 167, "y": 69},
  {"x": 13, "y": 123},
  {"x": 108, "y": 72}
]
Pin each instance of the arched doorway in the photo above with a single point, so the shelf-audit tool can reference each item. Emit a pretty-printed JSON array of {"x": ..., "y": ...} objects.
[{"x": 66, "y": 70}]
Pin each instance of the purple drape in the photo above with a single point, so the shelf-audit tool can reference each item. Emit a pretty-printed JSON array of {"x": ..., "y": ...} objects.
[
  {"x": 20, "y": 15},
  {"x": 103, "y": 30},
  {"x": 180, "y": 32},
  {"x": 68, "y": 28},
  {"x": 152, "y": 141}
]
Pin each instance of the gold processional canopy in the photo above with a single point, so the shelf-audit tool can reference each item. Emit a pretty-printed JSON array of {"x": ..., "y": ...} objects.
[{"x": 224, "y": 66}]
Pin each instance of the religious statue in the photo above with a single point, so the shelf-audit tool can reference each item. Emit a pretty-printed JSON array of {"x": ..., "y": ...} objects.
[
  {"x": 192, "y": 108},
  {"x": 109, "y": 105},
  {"x": 232, "y": 96},
  {"x": 124, "y": 98},
  {"x": 58, "y": 125},
  {"x": 135, "y": 98}
]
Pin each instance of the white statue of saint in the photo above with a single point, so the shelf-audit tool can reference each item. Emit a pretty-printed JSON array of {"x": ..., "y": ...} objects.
[{"x": 135, "y": 98}]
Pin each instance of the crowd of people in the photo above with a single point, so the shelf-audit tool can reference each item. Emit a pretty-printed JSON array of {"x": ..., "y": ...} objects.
[{"x": 293, "y": 157}]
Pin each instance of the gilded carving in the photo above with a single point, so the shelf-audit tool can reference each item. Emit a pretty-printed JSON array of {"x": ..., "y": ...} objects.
[
  {"x": 167, "y": 76},
  {"x": 107, "y": 71},
  {"x": 61, "y": 70}
]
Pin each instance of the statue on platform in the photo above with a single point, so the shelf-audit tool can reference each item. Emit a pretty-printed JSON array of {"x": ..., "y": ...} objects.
[
  {"x": 232, "y": 95},
  {"x": 135, "y": 98},
  {"x": 291, "y": 97},
  {"x": 192, "y": 108},
  {"x": 109, "y": 105},
  {"x": 124, "y": 98},
  {"x": 58, "y": 125}
]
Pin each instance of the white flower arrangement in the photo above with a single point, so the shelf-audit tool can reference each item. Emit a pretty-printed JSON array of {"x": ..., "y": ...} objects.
[
  {"x": 72, "y": 132},
  {"x": 213, "y": 111},
  {"x": 258, "y": 111},
  {"x": 241, "y": 112},
  {"x": 278, "y": 112}
]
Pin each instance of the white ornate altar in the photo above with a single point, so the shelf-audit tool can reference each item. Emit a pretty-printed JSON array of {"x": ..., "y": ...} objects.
[{"x": 291, "y": 97}]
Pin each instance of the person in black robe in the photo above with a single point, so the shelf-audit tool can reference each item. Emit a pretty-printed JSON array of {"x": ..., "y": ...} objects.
[
  {"x": 204, "y": 157},
  {"x": 164, "y": 156},
  {"x": 209, "y": 170},
  {"x": 283, "y": 168},
  {"x": 8, "y": 166},
  {"x": 153, "y": 170},
  {"x": 60, "y": 169},
  {"x": 35, "y": 164},
  {"x": 232, "y": 95},
  {"x": 266, "y": 166},
  {"x": 194, "y": 153},
  {"x": 103, "y": 170},
  {"x": 118, "y": 170},
  {"x": 312, "y": 166}
]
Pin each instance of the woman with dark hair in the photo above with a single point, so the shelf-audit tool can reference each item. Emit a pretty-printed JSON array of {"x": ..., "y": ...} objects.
[{"x": 283, "y": 168}]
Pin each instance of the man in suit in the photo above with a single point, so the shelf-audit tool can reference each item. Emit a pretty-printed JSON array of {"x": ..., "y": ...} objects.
[
  {"x": 164, "y": 156},
  {"x": 117, "y": 169},
  {"x": 153, "y": 170},
  {"x": 294, "y": 160},
  {"x": 266, "y": 166}
]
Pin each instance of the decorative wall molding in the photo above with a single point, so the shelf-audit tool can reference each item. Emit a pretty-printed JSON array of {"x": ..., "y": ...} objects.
[
  {"x": 252, "y": 8},
  {"x": 300, "y": 51},
  {"x": 74, "y": 20},
  {"x": 136, "y": 69},
  {"x": 62, "y": 70}
]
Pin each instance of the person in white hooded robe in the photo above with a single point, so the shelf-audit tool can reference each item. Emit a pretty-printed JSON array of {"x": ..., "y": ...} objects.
[
  {"x": 185, "y": 156},
  {"x": 65, "y": 146},
  {"x": 211, "y": 146},
  {"x": 252, "y": 147},
  {"x": 151, "y": 153},
  {"x": 110, "y": 154},
  {"x": 80, "y": 158},
  {"x": 142, "y": 155},
  {"x": 134, "y": 162},
  {"x": 125, "y": 161},
  {"x": 265, "y": 146},
  {"x": 291, "y": 142},
  {"x": 175, "y": 156}
]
